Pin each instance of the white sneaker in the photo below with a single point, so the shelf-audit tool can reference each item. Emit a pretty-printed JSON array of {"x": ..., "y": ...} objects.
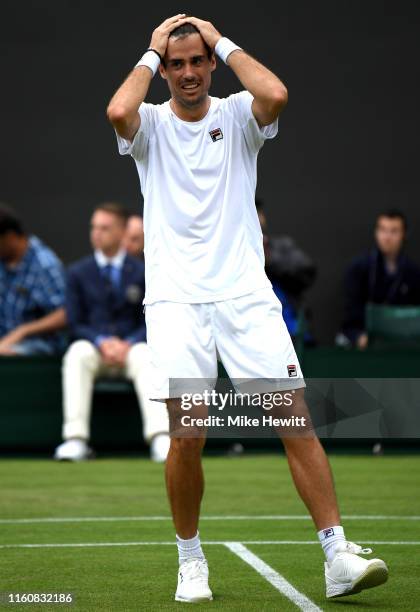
[
  {"x": 73, "y": 450},
  {"x": 193, "y": 582},
  {"x": 348, "y": 573},
  {"x": 159, "y": 447}
]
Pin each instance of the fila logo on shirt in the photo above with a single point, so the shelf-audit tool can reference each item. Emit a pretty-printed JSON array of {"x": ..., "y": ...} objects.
[
  {"x": 292, "y": 370},
  {"x": 216, "y": 134}
]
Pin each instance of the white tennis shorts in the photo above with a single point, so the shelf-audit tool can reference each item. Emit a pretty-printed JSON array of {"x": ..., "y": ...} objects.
[{"x": 247, "y": 334}]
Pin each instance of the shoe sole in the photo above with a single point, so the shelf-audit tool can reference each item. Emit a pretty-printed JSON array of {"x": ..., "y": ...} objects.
[
  {"x": 196, "y": 600},
  {"x": 90, "y": 455},
  {"x": 375, "y": 575}
]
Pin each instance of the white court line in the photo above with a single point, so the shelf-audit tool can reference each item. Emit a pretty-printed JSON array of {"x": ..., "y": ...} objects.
[
  {"x": 257, "y": 517},
  {"x": 213, "y": 542},
  {"x": 274, "y": 578}
]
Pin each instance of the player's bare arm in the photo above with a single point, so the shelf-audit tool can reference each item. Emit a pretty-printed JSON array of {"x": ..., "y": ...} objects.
[
  {"x": 123, "y": 108},
  {"x": 270, "y": 94}
]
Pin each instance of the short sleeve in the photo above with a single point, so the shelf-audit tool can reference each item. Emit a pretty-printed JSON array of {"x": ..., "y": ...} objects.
[
  {"x": 240, "y": 106},
  {"x": 50, "y": 291},
  {"x": 138, "y": 147}
]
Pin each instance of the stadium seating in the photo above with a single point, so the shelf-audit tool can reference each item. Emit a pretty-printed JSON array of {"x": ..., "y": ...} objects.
[
  {"x": 31, "y": 401},
  {"x": 396, "y": 325}
]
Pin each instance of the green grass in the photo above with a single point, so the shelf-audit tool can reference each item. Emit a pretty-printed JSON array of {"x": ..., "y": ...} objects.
[{"x": 144, "y": 577}]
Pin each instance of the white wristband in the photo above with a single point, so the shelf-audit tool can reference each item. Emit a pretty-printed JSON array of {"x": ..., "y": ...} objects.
[
  {"x": 151, "y": 60},
  {"x": 225, "y": 47}
]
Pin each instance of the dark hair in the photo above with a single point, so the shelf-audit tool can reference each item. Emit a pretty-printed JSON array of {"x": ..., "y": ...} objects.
[
  {"x": 259, "y": 204},
  {"x": 185, "y": 30},
  {"x": 394, "y": 213},
  {"x": 9, "y": 221},
  {"x": 114, "y": 209}
]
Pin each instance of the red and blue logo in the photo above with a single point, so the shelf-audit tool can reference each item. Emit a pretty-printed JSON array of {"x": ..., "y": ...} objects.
[{"x": 216, "y": 134}]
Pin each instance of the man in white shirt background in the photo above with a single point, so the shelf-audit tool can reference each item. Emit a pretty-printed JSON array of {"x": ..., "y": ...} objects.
[{"x": 196, "y": 157}]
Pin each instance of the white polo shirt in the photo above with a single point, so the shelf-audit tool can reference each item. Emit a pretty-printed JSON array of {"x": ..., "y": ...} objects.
[{"x": 203, "y": 241}]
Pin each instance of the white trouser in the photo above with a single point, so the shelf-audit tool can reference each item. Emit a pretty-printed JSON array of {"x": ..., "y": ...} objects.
[{"x": 82, "y": 363}]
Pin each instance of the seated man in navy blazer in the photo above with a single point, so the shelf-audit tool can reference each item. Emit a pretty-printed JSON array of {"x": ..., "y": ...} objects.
[{"x": 103, "y": 303}]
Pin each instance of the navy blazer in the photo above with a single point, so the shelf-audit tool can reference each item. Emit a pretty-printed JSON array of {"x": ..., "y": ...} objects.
[{"x": 94, "y": 308}]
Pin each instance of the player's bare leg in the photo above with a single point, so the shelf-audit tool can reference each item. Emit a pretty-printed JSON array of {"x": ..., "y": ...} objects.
[
  {"x": 313, "y": 479},
  {"x": 184, "y": 473},
  {"x": 346, "y": 572},
  {"x": 185, "y": 486},
  {"x": 311, "y": 470},
  {"x": 309, "y": 466}
]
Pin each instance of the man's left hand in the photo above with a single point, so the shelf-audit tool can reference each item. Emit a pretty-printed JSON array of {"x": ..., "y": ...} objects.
[
  {"x": 207, "y": 30},
  {"x": 121, "y": 348},
  {"x": 114, "y": 351}
]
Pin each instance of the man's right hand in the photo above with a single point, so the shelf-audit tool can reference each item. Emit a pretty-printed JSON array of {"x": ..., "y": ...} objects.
[
  {"x": 108, "y": 351},
  {"x": 114, "y": 351},
  {"x": 362, "y": 342},
  {"x": 160, "y": 36},
  {"x": 123, "y": 109}
]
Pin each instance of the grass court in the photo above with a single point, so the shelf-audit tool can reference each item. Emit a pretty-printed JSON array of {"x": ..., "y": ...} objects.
[{"x": 101, "y": 530}]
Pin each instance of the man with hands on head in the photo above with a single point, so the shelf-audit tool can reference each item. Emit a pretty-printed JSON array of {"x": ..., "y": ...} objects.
[{"x": 206, "y": 289}]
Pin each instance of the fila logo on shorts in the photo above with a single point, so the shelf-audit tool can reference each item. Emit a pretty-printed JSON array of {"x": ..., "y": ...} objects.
[
  {"x": 292, "y": 370},
  {"x": 216, "y": 134}
]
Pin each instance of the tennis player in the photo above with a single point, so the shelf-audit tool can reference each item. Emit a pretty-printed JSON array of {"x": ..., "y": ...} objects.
[{"x": 206, "y": 290}]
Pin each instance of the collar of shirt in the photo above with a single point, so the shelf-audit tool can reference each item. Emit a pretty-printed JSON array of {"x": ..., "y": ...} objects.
[{"x": 117, "y": 261}]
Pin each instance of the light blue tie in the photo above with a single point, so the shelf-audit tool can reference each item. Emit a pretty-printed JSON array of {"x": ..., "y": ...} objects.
[{"x": 112, "y": 274}]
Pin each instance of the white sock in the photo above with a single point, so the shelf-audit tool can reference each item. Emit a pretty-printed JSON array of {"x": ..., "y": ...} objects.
[
  {"x": 329, "y": 539},
  {"x": 189, "y": 549}
]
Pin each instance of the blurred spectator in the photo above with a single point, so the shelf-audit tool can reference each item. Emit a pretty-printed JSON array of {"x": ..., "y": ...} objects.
[
  {"x": 133, "y": 241},
  {"x": 384, "y": 275},
  {"x": 289, "y": 269},
  {"x": 104, "y": 296},
  {"x": 31, "y": 292}
]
